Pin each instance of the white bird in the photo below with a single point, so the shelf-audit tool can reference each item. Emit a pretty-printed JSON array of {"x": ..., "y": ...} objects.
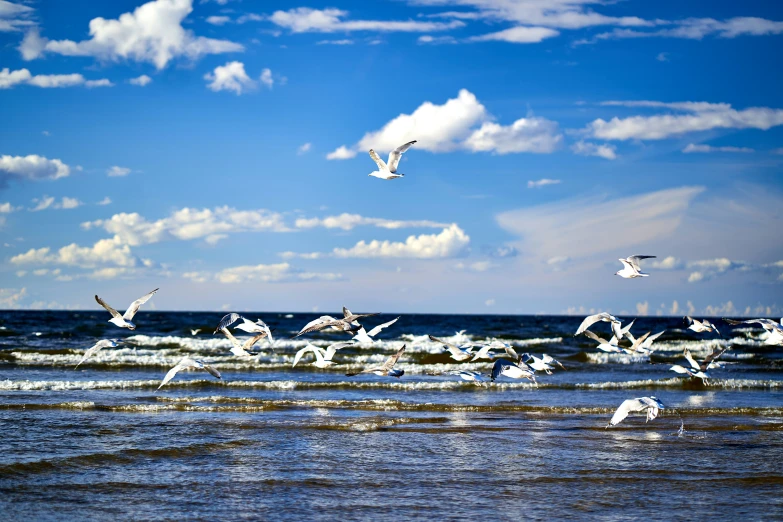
[
  {"x": 259, "y": 327},
  {"x": 467, "y": 375},
  {"x": 700, "y": 326},
  {"x": 195, "y": 332},
  {"x": 389, "y": 171},
  {"x": 631, "y": 268},
  {"x": 347, "y": 324},
  {"x": 483, "y": 353},
  {"x": 774, "y": 329},
  {"x": 185, "y": 364},
  {"x": 124, "y": 321},
  {"x": 548, "y": 359},
  {"x": 323, "y": 358},
  {"x": 242, "y": 349},
  {"x": 363, "y": 336},
  {"x": 590, "y": 320},
  {"x": 538, "y": 364},
  {"x": 699, "y": 369},
  {"x": 387, "y": 368},
  {"x": 649, "y": 404},
  {"x": 458, "y": 353},
  {"x": 611, "y": 345},
  {"x": 646, "y": 347},
  {"x": 103, "y": 343},
  {"x": 514, "y": 371}
]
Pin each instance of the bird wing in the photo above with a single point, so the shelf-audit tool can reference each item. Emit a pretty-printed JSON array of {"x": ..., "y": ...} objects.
[
  {"x": 396, "y": 155},
  {"x": 355, "y": 317},
  {"x": 252, "y": 341},
  {"x": 227, "y": 321},
  {"x": 210, "y": 369},
  {"x": 375, "y": 331},
  {"x": 103, "y": 343},
  {"x": 634, "y": 261},
  {"x": 362, "y": 336},
  {"x": 716, "y": 352},
  {"x": 638, "y": 342},
  {"x": 392, "y": 360},
  {"x": 617, "y": 330},
  {"x": 315, "y": 325},
  {"x": 690, "y": 359},
  {"x": 114, "y": 313},
  {"x": 346, "y": 313},
  {"x": 498, "y": 368},
  {"x": 622, "y": 412},
  {"x": 300, "y": 353},
  {"x": 237, "y": 348},
  {"x": 596, "y": 338},
  {"x": 590, "y": 320},
  {"x": 450, "y": 347},
  {"x": 332, "y": 348},
  {"x": 378, "y": 161},
  {"x": 625, "y": 331},
  {"x": 511, "y": 352},
  {"x": 134, "y": 306}
]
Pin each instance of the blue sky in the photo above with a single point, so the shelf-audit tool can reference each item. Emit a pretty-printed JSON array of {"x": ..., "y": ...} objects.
[{"x": 218, "y": 150}]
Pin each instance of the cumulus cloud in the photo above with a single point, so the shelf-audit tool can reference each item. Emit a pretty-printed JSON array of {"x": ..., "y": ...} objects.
[
  {"x": 274, "y": 273},
  {"x": 10, "y": 297},
  {"x": 517, "y": 35},
  {"x": 140, "y": 81},
  {"x": 32, "y": 167},
  {"x": 105, "y": 201},
  {"x": 152, "y": 33},
  {"x": 117, "y": 171},
  {"x": 187, "y": 224},
  {"x": 347, "y": 221},
  {"x": 307, "y": 20},
  {"x": 585, "y": 148},
  {"x": 688, "y": 117},
  {"x": 460, "y": 123},
  {"x": 232, "y": 77},
  {"x": 542, "y": 183},
  {"x": 9, "y": 79},
  {"x": 692, "y": 147},
  {"x": 451, "y": 242}
]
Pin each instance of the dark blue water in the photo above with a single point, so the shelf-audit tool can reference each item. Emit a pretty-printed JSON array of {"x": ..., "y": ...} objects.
[{"x": 271, "y": 441}]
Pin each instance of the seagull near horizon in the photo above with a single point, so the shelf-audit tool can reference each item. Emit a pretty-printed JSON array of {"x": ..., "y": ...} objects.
[
  {"x": 347, "y": 324},
  {"x": 387, "y": 368},
  {"x": 323, "y": 357},
  {"x": 103, "y": 343},
  {"x": 774, "y": 329},
  {"x": 649, "y": 404},
  {"x": 124, "y": 321},
  {"x": 700, "y": 326},
  {"x": 631, "y": 268},
  {"x": 389, "y": 171},
  {"x": 458, "y": 353},
  {"x": 699, "y": 369},
  {"x": 590, "y": 320},
  {"x": 259, "y": 327},
  {"x": 242, "y": 349},
  {"x": 363, "y": 336},
  {"x": 185, "y": 364}
]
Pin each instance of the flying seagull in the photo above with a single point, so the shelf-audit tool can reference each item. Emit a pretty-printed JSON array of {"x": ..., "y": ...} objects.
[
  {"x": 457, "y": 353},
  {"x": 259, "y": 327},
  {"x": 699, "y": 369},
  {"x": 195, "y": 332},
  {"x": 700, "y": 326},
  {"x": 649, "y": 404},
  {"x": 124, "y": 321},
  {"x": 611, "y": 345},
  {"x": 185, "y": 364},
  {"x": 631, "y": 268},
  {"x": 363, "y": 336},
  {"x": 540, "y": 364},
  {"x": 242, "y": 349},
  {"x": 387, "y": 368},
  {"x": 103, "y": 343},
  {"x": 347, "y": 324},
  {"x": 646, "y": 347},
  {"x": 514, "y": 371},
  {"x": 774, "y": 329},
  {"x": 323, "y": 358},
  {"x": 389, "y": 171},
  {"x": 590, "y": 320}
]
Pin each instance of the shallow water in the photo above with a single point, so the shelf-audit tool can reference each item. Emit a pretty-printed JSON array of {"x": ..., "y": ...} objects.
[{"x": 269, "y": 441}]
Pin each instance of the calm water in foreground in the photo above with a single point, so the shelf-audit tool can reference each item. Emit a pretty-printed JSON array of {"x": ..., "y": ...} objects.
[{"x": 269, "y": 441}]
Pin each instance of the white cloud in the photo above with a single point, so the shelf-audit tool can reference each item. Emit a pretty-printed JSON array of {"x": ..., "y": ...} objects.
[
  {"x": 32, "y": 167},
  {"x": 307, "y": 20},
  {"x": 662, "y": 57},
  {"x": 9, "y": 79},
  {"x": 451, "y": 242},
  {"x": 335, "y": 42},
  {"x": 699, "y": 116},
  {"x": 489, "y": 302},
  {"x": 229, "y": 77},
  {"x": 708, "y": 148},
  {"x": 10, "y": 297},
  {"x": 342, "y": 152},
  {"x": 667, "y": 263},
  {"x": 436, "y": 40},
  {"x": 549, "y": 230},
  {"x": 304, "y": 148},
  {"x": 32, "y": 45},
  {"x": 347, "y": 221},
  {"x": 585, "y": 148},
  {"x": 542, "y": 183},
  {"x": 90, "y": 84},
  {"x": 68, "y": 203},
  {"x": 46, "y": 202},
  {"x": 117, "y": 171},
  {"x": 152, "y": 33},
  {"x": 14, "y": 17},
  {"x": 218, "y": 20},
  {"x": 104, "y": 253},
  {"x": 643, "y": 308},
  {"x": 266, "y": 78},
  {"x": 6, "y": 208},
  {"x": 275, "y": 273},
  {"x": 698, "y": 28},
  {"x": 42, "y": 203},
  {"x": 140, "y": 81},
  {"x": 778, "y": 151},
  {"x": 518, "y": 35},
  {"x": 189, "y": 224},
  {"x": 531, "y": 134},
  {"x": 105, "y": 201}
]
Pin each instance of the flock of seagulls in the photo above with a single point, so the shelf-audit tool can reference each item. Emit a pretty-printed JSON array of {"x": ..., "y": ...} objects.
[{"x": 505, "y": 360}]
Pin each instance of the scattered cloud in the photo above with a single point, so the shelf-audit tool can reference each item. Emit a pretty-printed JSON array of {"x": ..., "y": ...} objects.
[
  {"x": 542, "y": 183},
  {"x": 152, "y": 33},
  {"x": 117, "y": 171},
  {"x": 10, "y": 297},
  {"x": 105, "y": 201},
  {"x": 9, "y": 79},
  {"x": 518, "y": 35},
  {"x": 307, "y": 20},
  {"x": 585, "y": 148},
  {"x": 340, "y": 153},
  {"x": 32, "y": 167},
  {"x": 304, "y": 148},
  {"x": 140, "y": 81},
  {"x": 778, "y": 151},
  {"x": 218, "y": 20},
  {"x": 662, "y": 57},
  {"x": 451, "y": 242},
  {"x": 436, "y": 40},
  {"x": 349, "y": 221},
  {"x": 46, "y": 202},
  {"x": 697, "y": 29},
  {"x": 232, "y": 77},
  {"x": 708, "y": 148},
  {"x": 275, "y": 273},
  {"x": 335, "y": 42}
]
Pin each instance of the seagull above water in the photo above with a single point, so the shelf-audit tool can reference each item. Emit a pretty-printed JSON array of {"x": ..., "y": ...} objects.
[
  {"x": 195, "y": 332},
  {"x": 511, "y": 370},
  {"x": 538, "y": 364},
  {"x": 774, "y": 329},
  {"x": 389, "y": 171},
  {"x": 631, "y": 268},
  {"x": 103, "y": 343},
  {"x": 124, "y": 321},
  {"x": 699, "y": 369},
  {"x": 387, "y": 368},
  {"x": 347, "y": 324},
  {"x": 700, "y": 326},
  {"x": 611, "y": 345},
  {"x": 590, "y": 320},
  {"x": 467, "y": 375},
  {"x": 459, "y": 354},
  {"x": 259, "y": 327},
  {"x": 323, "y": 358},
  {"x": 363, "y": 336},
  {"x": 646, "y": 347},
  {"x": 649, "y": 404},
  {"x": 484, "y": 353},
  {"x": 239, "y": 349},
  {"x": 185, "y": 364}
]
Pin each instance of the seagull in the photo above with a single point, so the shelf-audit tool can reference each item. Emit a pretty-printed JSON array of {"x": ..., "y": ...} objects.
[
  {"x": 389, "y": 171},
  {"x": 185, "y": 364},
  {"x": 195, "y": 332},
  {"x": 611, "y": 345},
  {"x": 259, "y": 327},
  {"x": 346, "y": 324},
  {"x": 646, "y": 347},
  {"x": 649, "y": 404},
  {"x": 590, "y": 320},
  {"x": 538, "y": 364},
  {"x": 700, "y": 326},
  {"x": 363, "y": 336},
  {"x": 323, "y": 358},
  {"x": 699, "y": 369},
  {"x": 774, "y": 329},
  {"x": 631, "y": 268},
  {"x": 457, "y": 353},
  {"x": 467, "y": 375},
  {"x": 548, "y": 359},
  {"x": 387, "y": 368},
  {"x": 483, "y": 353},
  {"x": 124, "y": 321},
  {"x": 103, "y": 343},
  {"x": 514, "y": 371},
  {"x": 240, "y": 349}
]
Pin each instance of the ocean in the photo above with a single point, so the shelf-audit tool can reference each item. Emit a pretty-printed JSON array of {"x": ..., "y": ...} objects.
[{"x": 271, "y": 442}]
